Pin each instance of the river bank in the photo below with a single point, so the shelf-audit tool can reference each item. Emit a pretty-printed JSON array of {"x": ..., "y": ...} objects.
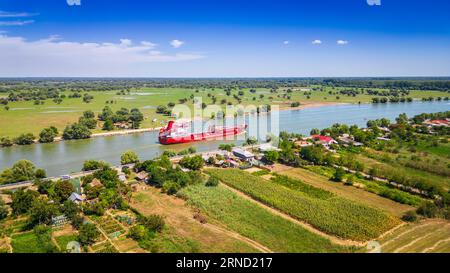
[
  {"x": 282, "y": 107},
  {"x": 68, "y": 156}
]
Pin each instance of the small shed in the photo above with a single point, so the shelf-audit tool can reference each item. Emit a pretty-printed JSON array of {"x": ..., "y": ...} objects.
[
  {"x": 142, "y": 176},
  {"x": 243, "y": 154},
  {"x": 76, "y": 198},
  {"x": 96, "y": 183}
]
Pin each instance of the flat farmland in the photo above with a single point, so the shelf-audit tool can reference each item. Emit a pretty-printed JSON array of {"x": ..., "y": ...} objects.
[
  {"x": 227, "y": 208},
  {"x": 351, "y": 193},
  {"x": 428, "y": 236},
  {"x": 184, "y": 232},
  {"x": 327, "y": 212}
]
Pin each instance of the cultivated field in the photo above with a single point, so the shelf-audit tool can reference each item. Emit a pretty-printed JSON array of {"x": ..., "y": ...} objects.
[
  {"x": 185, "y": 234},
  {"x": 348, "y": 192},
  {"x": 428, "y": 236},
  {"x": 252, "y": 221},
  {"x": 326, "y": 212}
]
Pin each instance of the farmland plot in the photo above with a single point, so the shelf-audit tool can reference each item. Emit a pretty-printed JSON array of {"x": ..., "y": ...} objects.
[{"x": 326, "y": 212}]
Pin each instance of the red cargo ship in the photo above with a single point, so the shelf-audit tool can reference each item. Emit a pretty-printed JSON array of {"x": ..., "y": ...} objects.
[{"x": 179, "y": 132}]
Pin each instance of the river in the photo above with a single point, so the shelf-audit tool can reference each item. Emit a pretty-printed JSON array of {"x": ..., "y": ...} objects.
[{"x": 68, "y": 156}]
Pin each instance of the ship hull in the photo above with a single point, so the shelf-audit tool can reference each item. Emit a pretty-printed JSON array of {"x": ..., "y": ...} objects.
[{"x": 201, "y": 136}]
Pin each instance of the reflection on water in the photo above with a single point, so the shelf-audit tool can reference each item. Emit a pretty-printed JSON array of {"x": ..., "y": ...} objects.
[{"x": 68, "y": 156}]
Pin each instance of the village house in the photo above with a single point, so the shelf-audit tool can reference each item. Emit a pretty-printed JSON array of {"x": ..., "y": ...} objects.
[
  {"x": 76, "y": 198},
  {"x": 142, "y": 176},
  {"x": 243, "y": 154},
  {"x": 324, "y": 140},
  {"x": 437, "y": 123},
  {"x": 96, "y": 183}
]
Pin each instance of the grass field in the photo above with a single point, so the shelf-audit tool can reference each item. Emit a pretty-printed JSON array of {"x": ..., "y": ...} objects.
[
  {"x": 382, "y": 189},
  {"x": 64, "y": 240},
  {"x": 26, "y": 243},
  {"x": 183, "y": 232},
  {"x": 25, "y": 117},
  {"x": 247, "y": 218},
  {"x": 394, "y": 169},
  {"x": 428, "y": 236},
  {"x": 329, "y": 213},
  {"x": 351, "y": 193}
]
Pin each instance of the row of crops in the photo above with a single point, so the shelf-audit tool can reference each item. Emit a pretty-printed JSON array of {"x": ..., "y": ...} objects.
[{"x": 331, "y": 214}]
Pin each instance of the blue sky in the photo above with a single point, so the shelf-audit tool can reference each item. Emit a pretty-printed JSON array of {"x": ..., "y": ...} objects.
[{"x": 216, "y": 38}]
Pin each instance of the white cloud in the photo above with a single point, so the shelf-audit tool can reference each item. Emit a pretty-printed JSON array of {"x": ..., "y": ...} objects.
[
  {"x": 176, "y": 43},
  {"x": 286, "y": 42},
  {"x": 125, "y": 42},
  {"x": 342, "y": 42},
  {"x": 6, "y": 14},
  {"x": 55, "y": 57},
  {"x": 148, "y": 44},
  {"x": 317, "y": 42},
  {"x": 15, "y": 23}
]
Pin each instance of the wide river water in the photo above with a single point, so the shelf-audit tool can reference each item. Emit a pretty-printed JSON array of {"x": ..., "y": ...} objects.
[{"x": 68, "y": 156}]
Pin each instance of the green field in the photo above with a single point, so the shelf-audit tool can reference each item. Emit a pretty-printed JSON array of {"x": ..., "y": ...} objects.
[
  {"x": 396, "y": 172},
  {"x": 328, "y": 213},
  {"x": 25, "y": 117},
  {"x": 26, "y": 243},
  {"x": 255, "y": 222}
]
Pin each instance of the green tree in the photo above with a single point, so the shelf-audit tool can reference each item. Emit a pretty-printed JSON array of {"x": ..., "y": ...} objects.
[
  {"x": 271, "y": 156},
  {"x": 48, "y": 135},
  {"x": 43, "y": 235},
  {"x": 76, "y": 131},
  {"x": 338, "y": 175},
  {"x": 213, "y": 181},
  {"x": 3, "y": 210},
  {"x": 41, "y": 212},
  {"x": 192, "y": 163},
  {"x": 40, "y": 173},
  {"x": 63, "y": 190},
  {"x": 22, "y": 201},
  {"x": 88, "y": 234},
  {"x": 108, "y": 125},
  {"x": 129, "y": 157},
  {"x": 25, "y": 139},
  {"x": 6, "y": 142},
  {"x": 22, "y": 170},
  {"x": 315, "y": 131}
]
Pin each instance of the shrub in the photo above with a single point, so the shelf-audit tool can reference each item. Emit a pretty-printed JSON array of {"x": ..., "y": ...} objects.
[
  {"x": 153, "y": 222},
  {"x": 338, "y": 175},
  {"x": 193, "y": 163},
  {"x": 88, "y": 234},
  {"x": 410, "y": 216},
  {"x": 428, "y": 209},
  {"x": 213, "y": 181},
  {"x": 25, "y": 139}
]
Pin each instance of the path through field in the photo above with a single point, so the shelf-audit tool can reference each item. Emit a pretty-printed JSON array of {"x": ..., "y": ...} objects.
[
  {"x": 428, "y": 236},
  {"x": 179, "y": 216},
  {"x": 306, "y": 226},
  {"x": 352, "y": 193}
]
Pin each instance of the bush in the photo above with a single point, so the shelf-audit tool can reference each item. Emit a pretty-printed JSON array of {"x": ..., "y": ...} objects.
[
  {"x": 48, "y": 135},
  {"x": 193, "y": 163},
  {"x": 25, "y": 139},
  {"x": 88, "y": 234},
  {"x": 428, "y": 210},
  {"x": 410, "y": 216},
  {"x": 153, "y": 222},
  {"x": 213, "y": 181},
  {"x": 338, "y": 175},
  {"x": 129, "y": 157},
  {"x": 76, "y": 131}
]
